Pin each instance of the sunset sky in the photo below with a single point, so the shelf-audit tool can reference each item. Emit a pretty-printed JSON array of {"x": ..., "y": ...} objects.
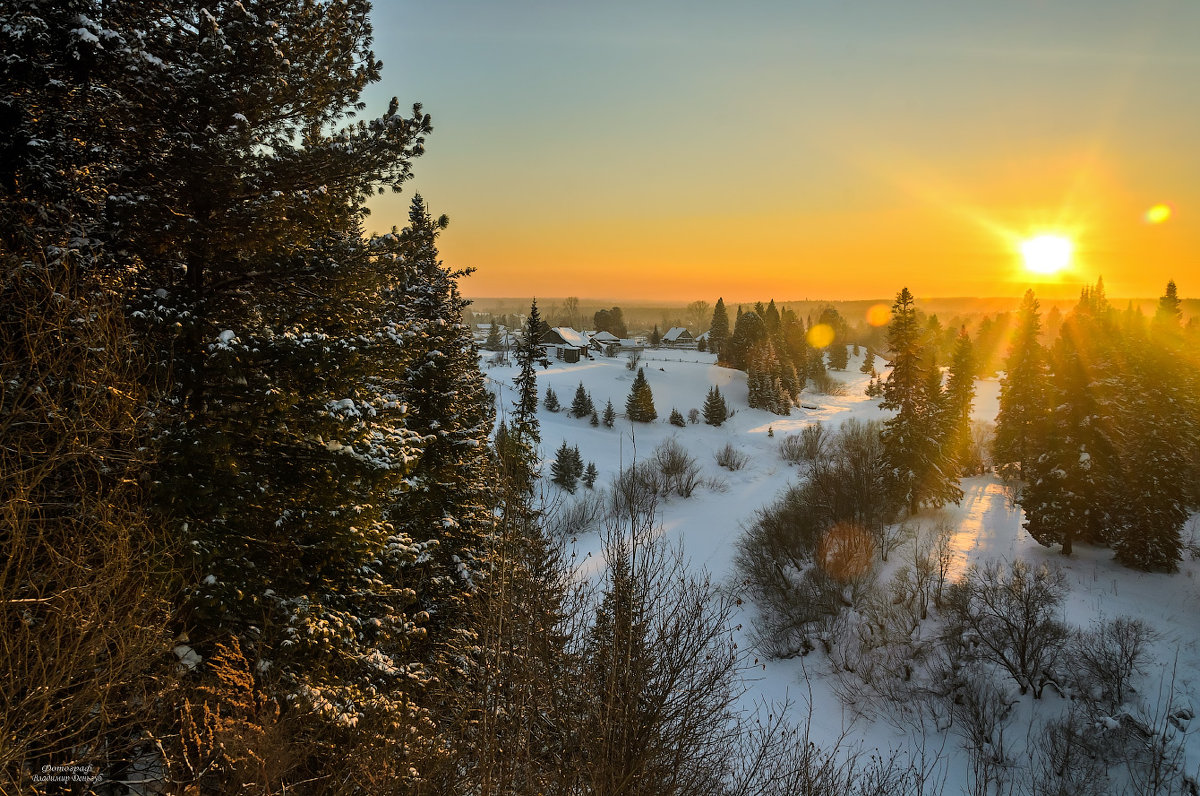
[{"x": 839, "y": 150}]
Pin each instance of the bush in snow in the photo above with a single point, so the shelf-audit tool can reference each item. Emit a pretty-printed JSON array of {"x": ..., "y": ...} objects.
[
  {"x": 1007, "y": 615},
  {"x": 731, "y": 458},
  {"x": 1106, "y": 657},
  {"x": 676, "y": 418},
  {"x": 679, "y": 470}
]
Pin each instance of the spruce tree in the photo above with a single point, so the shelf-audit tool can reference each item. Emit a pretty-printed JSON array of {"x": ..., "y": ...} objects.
[
  {"x": 590, "y": 475},
  {"x": 1023, "y": 404},
  {"x": 676, "y": 418},
  {"x": 551, "y": 403},
  {"x": 494, "y": 341},
  {"x": 595, "y": 420},
  {"x": 747, "y": 332},
  {"x": 868, "y": 364},
  {"x": 563, "y": 469},
  {"x": 912, "y": 451},
  {"x": 655, "y": 337},
  {"x": 960, "y": 397},
  {"x": 715, "y": 410},
  {"x": 610, "y": 414},
  {"x": 639, "y": 407},
  {"x": 582, "y": 406}
]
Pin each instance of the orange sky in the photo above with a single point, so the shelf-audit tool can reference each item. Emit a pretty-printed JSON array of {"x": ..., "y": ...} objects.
[{"x": 679, "y": 151}]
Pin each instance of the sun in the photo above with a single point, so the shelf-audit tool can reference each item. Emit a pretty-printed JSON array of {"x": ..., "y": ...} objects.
[{"x": 1046, "y": 254}]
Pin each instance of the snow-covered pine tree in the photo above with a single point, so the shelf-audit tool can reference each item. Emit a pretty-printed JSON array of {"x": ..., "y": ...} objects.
[
  {"x": 494, "y": 341},
  {"x": 551, "y": 403},
  {"x": 590, "y": 475},
  {"x": 639, "y": 406},
  {"x": 450, "y": 408},
  {"x": 1023, "y": 404},
  {"x": 595, "y": 419},
  {"x": 715, "y": 410},
  {"x": 676, "y": 418},
  {"x": 916, "y": 471},
  {"x": 868, "y": 363}
]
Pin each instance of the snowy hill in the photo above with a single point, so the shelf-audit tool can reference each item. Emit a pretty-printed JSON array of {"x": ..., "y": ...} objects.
[{"x": 985, "y": 526}]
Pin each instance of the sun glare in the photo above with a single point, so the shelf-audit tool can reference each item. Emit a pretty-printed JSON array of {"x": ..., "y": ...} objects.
[{"x": 1046, "y": 254}]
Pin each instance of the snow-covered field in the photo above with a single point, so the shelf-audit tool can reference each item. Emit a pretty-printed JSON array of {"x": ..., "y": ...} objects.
[{"x": 986, "y": 526}]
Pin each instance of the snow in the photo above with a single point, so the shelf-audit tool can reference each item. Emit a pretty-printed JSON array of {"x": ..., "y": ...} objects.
[{"x": 986, "y": 525}]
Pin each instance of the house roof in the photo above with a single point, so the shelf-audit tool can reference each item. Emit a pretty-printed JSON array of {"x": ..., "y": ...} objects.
[
  {"x": 566, "y": 335},
  {"x": 605, "y": 337},
  {"x": 676, "y": 333}
]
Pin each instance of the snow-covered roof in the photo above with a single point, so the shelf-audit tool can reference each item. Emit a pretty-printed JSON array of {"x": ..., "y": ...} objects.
[
  {"x": 676, "y": 333},
  {"x": 570, "y": 336},
  {"x": 605, "y": 337},
  {"x": 703, "y": 336}
]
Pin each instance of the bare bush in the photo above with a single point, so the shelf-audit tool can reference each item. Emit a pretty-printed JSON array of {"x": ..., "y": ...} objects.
[
  {"x": 982, "y": 711},
  {"x": 791, "y": 450},
  {"x": 634, "y": 490},
  {"x": 731, "y": 458},
  {"x": 1106, "y": 657},
  {"x": 1007, "y": 615},
  {"x": 825, "y": 384},
  {"x": 81, "y": 617},
  {"x": 679, "y": 471},
  {"x": 1064, "y": 759},
  {"x": 576, "y": 516},
  {"x": 632, "y": 359}
]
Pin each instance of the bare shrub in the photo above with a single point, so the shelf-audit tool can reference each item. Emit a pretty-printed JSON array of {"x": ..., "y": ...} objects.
[
  {"x": 632, "y": 359},
  {"x": 982, "y": 711},
  {"x": 796, "y": 575},
  {"x": 82, "y": 619},
  {"x": 825, "y": 384},
  {"x": 1064, "y": 758},
  {"x": 731, "y": 458},
  {"x": 679, "y": 471},
  {"x": 575, "y": 516},
  {"x": 977, "y": 448},
  {"x": 1106, "y": 657},
  {"x": 1007, "y": 616},
  {"x": 791, "y": 450},
  {"x": 634, "y": 490}
]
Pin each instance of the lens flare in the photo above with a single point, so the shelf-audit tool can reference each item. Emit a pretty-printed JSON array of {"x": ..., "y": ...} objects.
[
  {"x": 846, "y": 552},
  {"x": 1158, "y": 214},
  {"x": 879, "y": 315},
  {"x": 820, "y": 335}
]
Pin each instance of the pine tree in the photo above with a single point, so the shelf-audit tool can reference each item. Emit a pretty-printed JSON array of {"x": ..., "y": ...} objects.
[
  {"x": 912, "y": 451},
  {"x": 655, "y": 337},
  {"x": 676, "y": 418},
  {"x": 582, "y": 405},
  {"x": 715, "y": 410},
  {"x": 868, "y": 364},
  {"x": 610, "y": 414},
  {"x": 839, "y": 357},
  {"x": 1023, "y": 405},
  {"x": 450, "y": 408},
  {"x": 639, "y": 407},
  {"x": 494, "y": 341},
  {"x": 747, "y": 332},
  {"x": 765, "y": 387},
  {"x": 960, "y": 397},
  {"x": 563, "y": 470},
  {"x": 590, "y": 475},
  {"x": 1169, "y": 314},
  {"x": 551, "y": 403},
  {"x": 595, "y": 420}
]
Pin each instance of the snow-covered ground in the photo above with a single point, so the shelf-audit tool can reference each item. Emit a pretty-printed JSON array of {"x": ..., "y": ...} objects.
[{"x": 986, "y": 526}]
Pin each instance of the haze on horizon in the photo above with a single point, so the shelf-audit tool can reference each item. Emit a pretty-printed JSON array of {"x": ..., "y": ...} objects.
[{"x": 671, "y": 150}]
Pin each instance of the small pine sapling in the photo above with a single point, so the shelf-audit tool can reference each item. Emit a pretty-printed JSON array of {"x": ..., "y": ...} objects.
[
  {"x": 676, "y": 418},
  {"x": 590, "y": 475},
  {"x": 551, "y": 402},
  {"x": 610, "y": 415},
  {"x": 595, "y": 418}
]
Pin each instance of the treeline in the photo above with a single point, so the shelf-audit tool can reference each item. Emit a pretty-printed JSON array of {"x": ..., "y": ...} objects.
[{"x": 1101, "y": 429}]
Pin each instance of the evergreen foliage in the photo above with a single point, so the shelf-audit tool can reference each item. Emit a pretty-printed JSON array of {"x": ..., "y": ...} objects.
[
  {"x": 595, "y": 419},
  {"x": 551, "y": 403},
  {"x": 639, "y": 406},
  {"x": 1020, "y": 435},
  {"x": 747, "y": 332},
  {"x": 959, "y": 398},
  {"x": 590, "y": 475},
  {"x": 563, "y": 470},
  {"x": 610, "y": 414},
  {"x": 582, "y": 405},
  {"x": 715, "y": 410},
  {"x": 918, "y": 467},
  {"x": 494, "y": 341},
  {"x": 676, "y": 418}
]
